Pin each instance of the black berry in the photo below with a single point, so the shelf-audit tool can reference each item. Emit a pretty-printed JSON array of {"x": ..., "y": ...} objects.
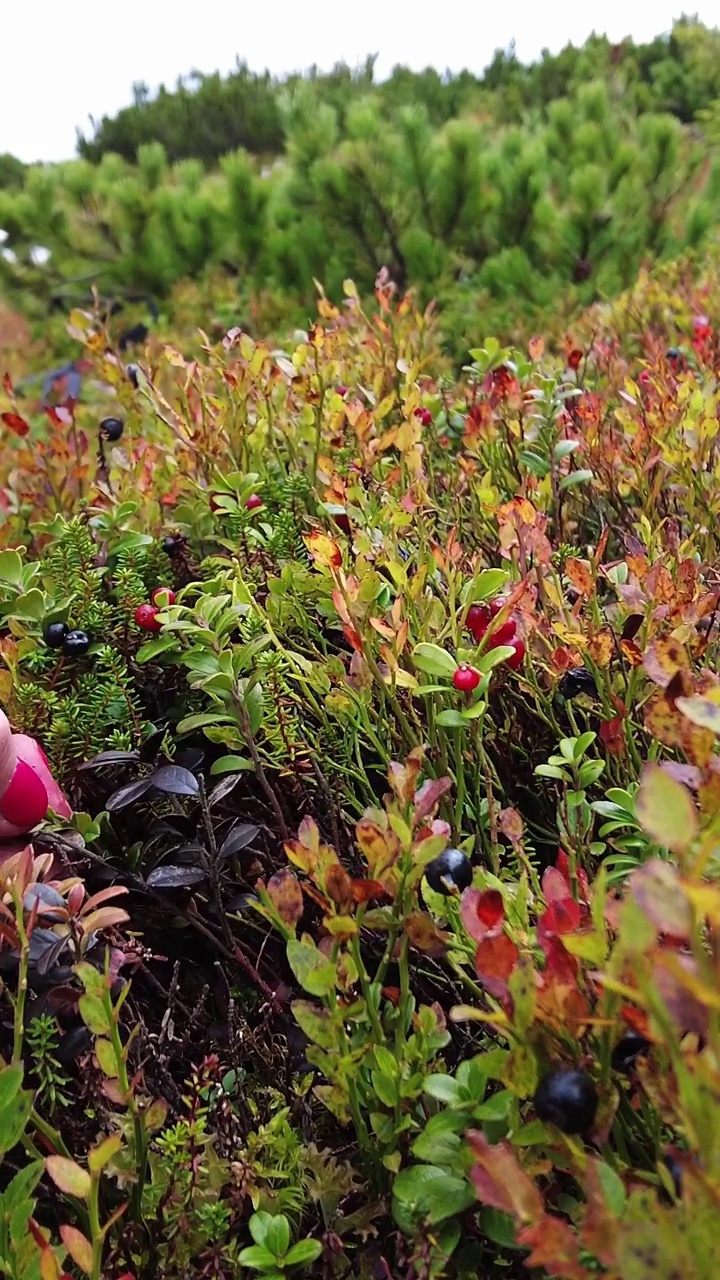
[
  {"x": 576, "y": 681},
  {"x": 132, "y": 373},
  {"x": 75, "y": 644},
  {"x": 568, "y": 1099},
  {"x": 173, "y": 544},
  {"x": 112, "y": 428},
  {"x": 54, "y": 634},
  {"x": 673, "y": 353},
  {"x": 451, "y": 870},
  {"x": 627, "y": 1050}
]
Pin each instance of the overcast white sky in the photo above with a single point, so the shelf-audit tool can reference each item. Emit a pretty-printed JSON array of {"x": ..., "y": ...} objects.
[{"x": 65, "y": 60}]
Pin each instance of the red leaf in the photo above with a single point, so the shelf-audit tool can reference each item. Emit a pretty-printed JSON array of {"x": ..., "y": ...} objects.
[
  {"x": 490, "y": 907},
  {"x": 7, "y": 384},
  {"x": 15, "y": 423},
  {"x": 368, "y": 890},
  {"x": 495, "y": 960},
  {"x": 500, "y": 1182},
  {"x": 429, "y": 795},
  {"x": 560, "y": 917},
  {"x": 553, "y": 1246},
  {"x": 559, "y": 963}
]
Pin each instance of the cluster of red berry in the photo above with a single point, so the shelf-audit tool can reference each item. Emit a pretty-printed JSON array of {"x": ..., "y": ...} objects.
[
  {"x": 480, "y": 619},
  {"x": 146, "y": 615}
]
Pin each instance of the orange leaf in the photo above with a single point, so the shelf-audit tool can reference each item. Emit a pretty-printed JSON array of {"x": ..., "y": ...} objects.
[
  {"x": 601, "y": 647},
  {"x": 424, "y": 935},
  {"x": 324, "y": 551},
  {"x": 500, "y": 1182},
  {"x": 286, "y": 896},
  {"x": 536, "y": 347},
  {"x": 580, "y": 575},
  {"x": 338, "y": 887},
  {"x": 553, "y": 1246}
]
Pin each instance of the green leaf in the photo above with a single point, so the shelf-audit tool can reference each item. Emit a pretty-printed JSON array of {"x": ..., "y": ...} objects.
[
  {"x": 485, "y": 585},
  {"x": 493, "y": 658},
  {"x": 11, "y": 1079},
  {"x": 31, "y": 606},
  {"x": 613, "y": 1189},
  {"x": 315, "y": 973},
  {"x": 94, "y": 1015},
  {"x": 564, "y": 448},
  {"x": 230, "y": 764},
  {"x": 13, "y": 1119},
  {"x": 498, "y": 1227},
  {"x": 434, "y": 660},
  {"x": 259, "y": 1224},
  {"x": 575, "y": 478},
  {"x": 385, "y": 1088},
  {"x": 430, "y": 1194},
  {"x": 258, "y": 1258},
  {"x": 316, "y": 1023},
  {"x": 551, "y": 771},
  {"x": 450, "y": 719},
  {"x": 11, "y": 567},
  {"x": 154, "y": 648},
  {"x": 21, "y": 1186},
  {"x": 445, "y": 1089},
  {"x": 277, "y": 1235},
  {"x": 665, "y": 810},
  {"x": 205, "y": 717},
  {"x": 303, "y": 1252}
]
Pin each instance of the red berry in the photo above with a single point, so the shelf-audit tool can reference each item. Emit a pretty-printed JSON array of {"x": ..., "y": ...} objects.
[
  {"x": 503, "y": 634},
  {"x": 466, "y": 678},
  {"x": 519, "y": 655},
  {"x": 479, "y": 618},
  {"x": 341, "y": 390},
  {"x": 253, "y": 502},
  {"x": 424, "y": 416},
  {"x": 146, "y": 617},
  {"x": 162, "y": 597}
]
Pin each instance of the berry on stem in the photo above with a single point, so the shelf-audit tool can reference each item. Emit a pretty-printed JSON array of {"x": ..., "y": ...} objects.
[
  {"x": 54, "y": 634},
  {"x": 451, "y": 870},
  {"x": 253, "y": 502},
  {"x": 146, "y": 616},
  {"x": 516, "y": 661},
  {"x": 173, "y": 544},
  {"x": 568, "y": 1099},
  {"x": 75, "y": 644},
  {"x": 112, "y": 428},
  {"x": 466, "y": 678}
]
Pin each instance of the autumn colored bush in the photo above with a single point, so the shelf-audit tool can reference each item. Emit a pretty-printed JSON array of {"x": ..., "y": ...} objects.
[{"x": 387, "y": 703}]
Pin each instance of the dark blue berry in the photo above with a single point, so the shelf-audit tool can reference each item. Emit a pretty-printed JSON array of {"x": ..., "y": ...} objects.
[
  {"x": 627, "y": 1049},
  {"x": 451, "y": 870},
  {"x": 568, "y": 1099},
  {"x": 111, "y": 428},
  {"x": 75, "y": 644},
  {"x": 54, "y": 634}
]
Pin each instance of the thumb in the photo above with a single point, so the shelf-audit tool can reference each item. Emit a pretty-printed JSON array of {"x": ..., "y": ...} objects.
[{"x": 8, "y": 756}]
